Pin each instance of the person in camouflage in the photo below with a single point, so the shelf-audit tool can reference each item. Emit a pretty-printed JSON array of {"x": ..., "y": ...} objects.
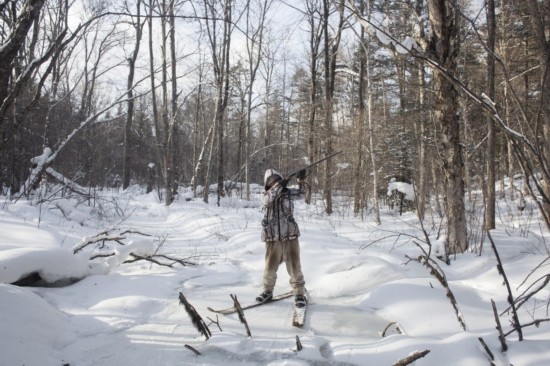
[{"x": 280, "y": 233}]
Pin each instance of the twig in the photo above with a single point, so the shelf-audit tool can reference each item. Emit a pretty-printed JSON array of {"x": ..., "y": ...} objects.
[
  {"x": 299, "y": 346},
  {"x": 501, "y": 337},
  {"x": 536, "y": 323},
  {"x": 515, "y": 318},
  {"x": 217, "y": 322},
  {"x": 196, "y": 319},
  {"x": 241, "y": 314},
  {"x": 152, "y": 258},
  {"x": 192, "y": 349},
  {"x": 410, "y": 359},
  {"x": 438, "y": 273},
  {"x": 486, "y": 348},
  {"x": 388, "y": 327},
  {"x": 105, "y": 236}
]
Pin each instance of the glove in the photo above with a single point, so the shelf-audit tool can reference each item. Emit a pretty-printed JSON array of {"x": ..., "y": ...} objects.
[{"x": 301, "y": 175}]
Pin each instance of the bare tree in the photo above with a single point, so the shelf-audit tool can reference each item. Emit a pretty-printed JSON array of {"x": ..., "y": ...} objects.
[
  {"x": 219, "y": 49},
  {"x": 444, "y": 45},
  {"x": 540, "y": 25},
  {"x": 313, "y": 16},
  {"x": 254, "y": 50},
  {"x": 331, "y": 46},
  {"x": 491, "y": 139},
  {"x": 138, "y": 25},
  {"x": 358, "y": 181}
]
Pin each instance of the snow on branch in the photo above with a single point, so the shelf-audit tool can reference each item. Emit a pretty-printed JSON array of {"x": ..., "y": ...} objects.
[
  {"x": 42, "y": 162},
  {"x": 103, "y": 237},
  {"x": 412, "y": 358}
]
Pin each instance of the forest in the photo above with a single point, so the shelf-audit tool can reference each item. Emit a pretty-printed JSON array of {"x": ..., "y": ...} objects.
[{"x": 451, "y": 97}]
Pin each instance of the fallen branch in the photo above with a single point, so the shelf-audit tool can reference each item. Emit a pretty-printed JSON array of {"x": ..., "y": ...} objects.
[
  {"x": 410, "y": 359},
  {"x": 501, "y": 337},
  {"x": 397, "y": 329},
  {"x": 438, "y": 273},
  {"x": 217, "y": 322},
  {"x": 192, "y": 349},
  {"x": 67, "y": 182},
  {"x": 196, "y": 319},
  {"x": 515, "y": 319},
  {"x": 105, "y": 236},
  {"x": 536, "y": 323},
  {"x": 486, "y": 348},
  {"x": 299, "y": 346},
  {"x": 153, "y": 259},
  {"x": 241, "y": 314}
]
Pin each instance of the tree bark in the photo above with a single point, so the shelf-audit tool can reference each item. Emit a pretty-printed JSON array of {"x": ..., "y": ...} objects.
[
  {"x": 130, "y": 105},
  {"x": 330, "y": 52},
  {"x": 491, "y": 132},
  {"x": 540, "y": 31},
  {"x": 444, "y": 45},
  {"x": 358, "y": 181}
]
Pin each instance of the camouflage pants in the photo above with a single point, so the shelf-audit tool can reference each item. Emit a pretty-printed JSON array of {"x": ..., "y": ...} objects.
[{"x": 277, "y": 252}]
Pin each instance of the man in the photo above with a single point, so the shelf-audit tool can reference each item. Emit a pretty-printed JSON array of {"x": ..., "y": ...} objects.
[{"x": 280, "y": 234}]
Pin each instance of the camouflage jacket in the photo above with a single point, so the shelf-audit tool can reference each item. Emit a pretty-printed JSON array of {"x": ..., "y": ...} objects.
[{"x": 278, "y": 223}]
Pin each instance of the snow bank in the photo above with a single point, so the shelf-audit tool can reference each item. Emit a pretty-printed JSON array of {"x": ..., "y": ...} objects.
[
  {"x": 32, "y": 330},
  {"x": 52, "y": 264}
]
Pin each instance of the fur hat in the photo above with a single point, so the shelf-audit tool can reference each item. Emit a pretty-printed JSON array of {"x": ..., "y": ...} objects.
[{"x": 271, "y": 176}]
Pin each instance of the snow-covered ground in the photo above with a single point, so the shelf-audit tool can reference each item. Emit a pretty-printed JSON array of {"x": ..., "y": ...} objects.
[{"x": 369, "y": 303}]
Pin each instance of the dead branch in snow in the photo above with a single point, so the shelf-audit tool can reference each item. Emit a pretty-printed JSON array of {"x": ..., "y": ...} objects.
[
  {"x": 240, "y": 311},
  {"x": 501, "y": 337},
  {"x": 486, "y": 348},
  {"x": 104, "y": 237},
  {"x": 437, "y": 272},
  {"x": 192, "y": 349},
  {"x": 515, "y": 318},
  {"x": 156, "y": 259},
  {"x": 217, "y": 322},
  {"x": 397, "y": 328},
  {"x": 196, "y": 319},
  {"x": 410, "y": 359},
  {"x": 299, "y": 346},
  {"x": 536, "y": 323}
]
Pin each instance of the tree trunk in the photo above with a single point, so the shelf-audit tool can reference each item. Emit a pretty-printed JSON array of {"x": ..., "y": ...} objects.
[
  {"x": 358, "y": 181},
  {"x": 444, "y": 46},
  {"x": 540, "y": 30},
  {"x": 174, "y": 152},
  {"x": 223, "y": 94},
  {"x": 130, "y": 105},
  {"x": 372, "y": 146},
  {"x": 331, "y": 51},
  {"x": 154, "y": 104},
  {"x": 314, "y": 44},
  {"x": 491, "y": 139},
  {"x": 421, "y": 194},
  {"x": 166, "y": 123}
]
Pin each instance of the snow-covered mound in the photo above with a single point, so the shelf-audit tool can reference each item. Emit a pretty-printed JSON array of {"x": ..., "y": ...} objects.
[{"x": 370, "y": 302}]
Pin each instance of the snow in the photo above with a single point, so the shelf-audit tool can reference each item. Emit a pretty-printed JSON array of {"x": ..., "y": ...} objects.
[
  {"x": 406, "y": 188},
  {"x": 369, "y": 303}
]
